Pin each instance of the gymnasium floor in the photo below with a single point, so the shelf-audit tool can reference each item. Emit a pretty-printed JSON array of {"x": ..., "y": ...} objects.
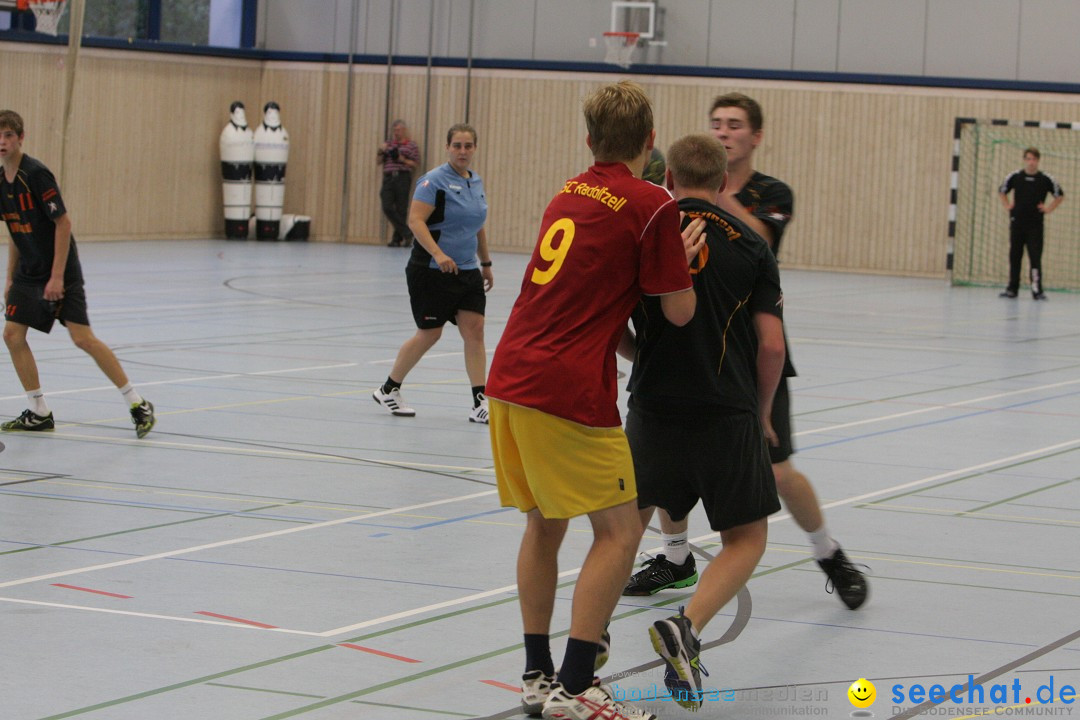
[{"x": 281, "y": 547}]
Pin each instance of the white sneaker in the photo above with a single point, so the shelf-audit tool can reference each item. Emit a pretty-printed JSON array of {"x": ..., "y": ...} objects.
[
  {"x": 595, "y": 703},
  {"x": 479, "y": 413},
  {"x": 393, "y": 402},
  {"x": 535, "y": 689}
]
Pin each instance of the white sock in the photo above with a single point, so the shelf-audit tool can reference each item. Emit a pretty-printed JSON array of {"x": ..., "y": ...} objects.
[
  {"x": 37, "y": 402},
  {"x": 824, "y": 545},
  {"x": 131, "y": 395},
  {"x": 676, "y": 547}
]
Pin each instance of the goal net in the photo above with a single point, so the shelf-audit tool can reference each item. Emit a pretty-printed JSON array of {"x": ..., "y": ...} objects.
[{"x": 986, "y": 152}]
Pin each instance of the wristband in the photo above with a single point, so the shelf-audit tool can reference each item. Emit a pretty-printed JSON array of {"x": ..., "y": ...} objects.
[{"x": 485, "y": 264}]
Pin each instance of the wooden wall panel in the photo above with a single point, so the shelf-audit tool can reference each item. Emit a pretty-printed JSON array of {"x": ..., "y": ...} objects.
[
  {"x": 869, "y": 165},
  {"x": 144, "y": 130}
]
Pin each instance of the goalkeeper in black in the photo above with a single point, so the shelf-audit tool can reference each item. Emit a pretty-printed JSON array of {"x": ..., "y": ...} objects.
[{"x": 1029, "y": 187}]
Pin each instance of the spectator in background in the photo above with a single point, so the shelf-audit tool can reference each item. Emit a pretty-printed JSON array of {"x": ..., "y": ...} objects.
[{"x": 398, "y": 156}]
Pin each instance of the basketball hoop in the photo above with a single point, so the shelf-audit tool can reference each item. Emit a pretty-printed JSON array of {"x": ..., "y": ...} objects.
[
  {"x": 620, "y": 47},
  {"x": 47, "y": 14}
]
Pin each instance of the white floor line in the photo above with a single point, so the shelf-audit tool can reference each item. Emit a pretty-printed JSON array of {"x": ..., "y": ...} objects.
[
  {"x": 196, "y": 378},
  {"x": 247, "y": 538},
  {"x": 507, "y": 588},
  {"x": 702, "y": 538},
  {"x": 430, "y": 355},
  {"x": 152, "y": 616},
  {"x": 935, "y": 408},
  {"x": 238, "y": 448}
]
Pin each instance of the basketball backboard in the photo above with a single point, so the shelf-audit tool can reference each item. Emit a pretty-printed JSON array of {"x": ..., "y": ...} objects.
[{"x": 638, "y": 17}]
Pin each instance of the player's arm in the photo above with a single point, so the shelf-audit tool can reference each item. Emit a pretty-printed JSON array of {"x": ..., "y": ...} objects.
[
  {"x": 770, "y": 365},
  {"x": 1053, "y": 204},
  {"x": 774, "y": 211},
  {"x": 485, "y": 257},
  {"x": 419, "y": 212},
  {"x": 54, "y": 289},
  {"x": 1003, "y": 192},
  {"x": 679, "y": 307},
  {"x": 627, "y": 347},
  {"x": 13, "y": 261},
  {"x": 730, "y": 203}
]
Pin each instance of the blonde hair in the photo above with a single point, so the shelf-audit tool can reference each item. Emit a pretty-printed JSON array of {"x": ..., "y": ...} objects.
[
  {"x": 619, "y": 119},
  {"x": 697, "y": 162}
]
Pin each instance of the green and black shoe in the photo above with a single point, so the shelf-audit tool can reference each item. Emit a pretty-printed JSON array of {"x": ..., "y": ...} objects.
[{"x": 29, "y": 421}]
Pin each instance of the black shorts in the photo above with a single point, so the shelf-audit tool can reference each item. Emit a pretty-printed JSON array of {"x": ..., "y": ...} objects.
[
  {"x": 436, "y": 296},
  {"x": 719, "y": 459},
  {"x": 26, "y": 305},
  {"x": 781, "y": 424}
]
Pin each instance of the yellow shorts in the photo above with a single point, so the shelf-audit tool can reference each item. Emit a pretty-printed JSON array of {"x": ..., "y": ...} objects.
[{"x": 561, "y": 467}]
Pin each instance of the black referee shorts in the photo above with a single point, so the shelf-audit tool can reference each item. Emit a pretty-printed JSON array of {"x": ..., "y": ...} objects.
[
  {"x": 436, "y": 296},
  {"x": 718, "y": 459}
]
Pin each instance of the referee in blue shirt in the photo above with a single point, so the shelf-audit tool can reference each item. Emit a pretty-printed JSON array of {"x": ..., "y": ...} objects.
[{"x": 449, "y": 271}]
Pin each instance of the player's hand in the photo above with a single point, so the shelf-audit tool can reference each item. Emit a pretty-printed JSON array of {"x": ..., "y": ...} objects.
[
  {"x": 693, "y": 237},
  {"x": 446, "y": 263},
  {"x": 489, "y": 278},
  {"x": 54, "y": 289},
  {"x": 770, "y": 435}
]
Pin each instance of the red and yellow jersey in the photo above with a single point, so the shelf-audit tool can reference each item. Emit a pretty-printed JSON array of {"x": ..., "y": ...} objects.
[{"x": 606, "y": 239}]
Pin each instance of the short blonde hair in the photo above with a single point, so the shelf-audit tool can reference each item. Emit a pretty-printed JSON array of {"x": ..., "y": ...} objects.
[
  {"x": 697, "y": 162},
  {"x": 619, "y": 118}
]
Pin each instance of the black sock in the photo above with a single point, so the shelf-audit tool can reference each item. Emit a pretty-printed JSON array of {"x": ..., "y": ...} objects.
[
  {"x": 390, "y": 384},
  {"x": 477, "y": 391},
  {"x": 538, "y": 654},
  {"x": 576, "y": 673}
]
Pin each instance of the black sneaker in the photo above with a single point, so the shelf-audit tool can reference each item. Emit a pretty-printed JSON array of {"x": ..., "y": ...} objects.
[
  {"x": 673, "y": 639},
  {"x": 1039, "y": 296},
  {"x": 1008, "y": 294},
  {"x": 29, "y": 421},
  {"x": 143, "y": 417},
  {"x": 849, "y": 582},
  {"x": 659, "y": 573}
]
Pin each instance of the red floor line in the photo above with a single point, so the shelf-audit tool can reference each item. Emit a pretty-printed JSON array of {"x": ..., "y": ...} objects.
[
  {"x": 504, "y": 686},
  {"x": 235, "y": 619},
  {"x": 91, "y": 590},
  {"x": 378, "y": 652}
]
